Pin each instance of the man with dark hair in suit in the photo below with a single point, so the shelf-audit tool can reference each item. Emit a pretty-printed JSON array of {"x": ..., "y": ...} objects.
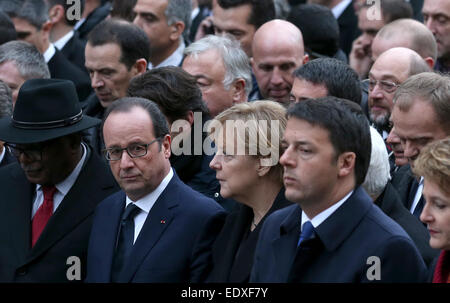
[
  {"x": 347, "y": 19},
  {"x": 31, "y": 20},
  {"x": 157, "y": 229},
  {"x": 334, "y": 233},
  {"x": 325, "y": 77},
  {"x": 62, "y": 34},
  {"x": 116, "y": 51},
  {"x": 241, "y": 19},
  {"x": 166, "y": 24},
  {"x": 49, "y": 197},
  {"x": 94, "y": 12}
]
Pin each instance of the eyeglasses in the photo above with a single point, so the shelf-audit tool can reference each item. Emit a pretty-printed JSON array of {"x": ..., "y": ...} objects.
[
  {"x": 133, "y": 150},
  {"x": 33, "y": 153},
  {"x": 387, "y": 86}
]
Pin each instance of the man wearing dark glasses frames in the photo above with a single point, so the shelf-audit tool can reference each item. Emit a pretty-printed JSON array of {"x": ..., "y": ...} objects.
[
  {"x": 387, "y": 73},
  {"x": 157, "y": 229},
  {"x": 49, "y": 196}
]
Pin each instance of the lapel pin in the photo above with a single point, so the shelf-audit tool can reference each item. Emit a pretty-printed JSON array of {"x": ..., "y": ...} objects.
[{"x": 163, "y": 221}]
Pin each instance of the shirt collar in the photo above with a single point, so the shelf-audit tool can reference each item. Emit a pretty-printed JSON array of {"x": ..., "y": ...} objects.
[
  {"x": 65, "y": 185},
  {"x": 195, "y": 12},
  {"x": 48, "y": 54},
  {"x": 318, "y": 219},
  {"x": 61, "y": 42},
  {"x": 2, "y": 154},
  {"x": 146, "y": 203},
  {"x": 340, "y": 8},
  {"x": 172, "y": 60}
]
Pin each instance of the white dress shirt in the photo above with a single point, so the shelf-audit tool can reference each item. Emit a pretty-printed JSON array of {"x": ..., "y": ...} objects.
[
  {"x": 417, "y": 196},
  {"x": 318, "y": 219},
  {"x": 340, "y": 8},
  {"x": 2, "y": 154},
  {"x": 62, "y": 188},
  {"x": 61, "y": 42},
  {"x": 48, "y": 54},
  {"x": 146, "y": 203}
]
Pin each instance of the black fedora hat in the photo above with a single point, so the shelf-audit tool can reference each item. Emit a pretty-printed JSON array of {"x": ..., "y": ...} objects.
[{"x": 45, "y": 109}]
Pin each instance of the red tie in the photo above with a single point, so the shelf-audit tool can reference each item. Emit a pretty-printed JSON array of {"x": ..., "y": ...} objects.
[{"x": 43, "y": 214}]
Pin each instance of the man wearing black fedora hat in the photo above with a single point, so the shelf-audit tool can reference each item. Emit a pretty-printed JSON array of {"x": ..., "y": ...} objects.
[{"x": 49, "y": 196}]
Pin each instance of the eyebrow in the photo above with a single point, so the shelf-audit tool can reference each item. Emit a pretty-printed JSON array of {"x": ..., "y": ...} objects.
[{"x": 385, "y": 77}]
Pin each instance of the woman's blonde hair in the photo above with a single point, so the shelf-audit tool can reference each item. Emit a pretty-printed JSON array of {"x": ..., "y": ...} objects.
[
  {"x": 258, "y": 127},
  {"x": 434, "y": 163}
]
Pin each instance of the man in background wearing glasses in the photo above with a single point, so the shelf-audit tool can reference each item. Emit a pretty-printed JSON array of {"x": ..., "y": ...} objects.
[
  {"x": 157, "y": 229},
  {"x": 49, "y": 196},
  {"x": 390, "y": 70}
]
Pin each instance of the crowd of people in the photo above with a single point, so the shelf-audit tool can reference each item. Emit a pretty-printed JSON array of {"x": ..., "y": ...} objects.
[{"x": 225, "y": 141}]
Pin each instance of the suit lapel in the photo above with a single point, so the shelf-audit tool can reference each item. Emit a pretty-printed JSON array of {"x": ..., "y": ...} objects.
[
  {"x": 76, "y": 206},
  {"x": 158, "y": 220},
  {"x": 285, "y": 245},
  {"x": 20, "y": 213},
  {"x": 110, "y": 236}
]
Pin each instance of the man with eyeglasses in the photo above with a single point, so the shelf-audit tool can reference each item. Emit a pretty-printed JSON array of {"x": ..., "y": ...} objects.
[
  {"x": 157, "y": 229},
  {"x": 391, "y": 69},
  {"x": 49, "y": 196}
]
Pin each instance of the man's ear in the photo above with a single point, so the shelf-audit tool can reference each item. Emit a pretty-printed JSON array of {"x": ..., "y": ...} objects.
[
  {"x": 252, "y": 63},
  {"x": 238, "y": 89},
  {"x": 430, "y": 62},
  {"x": 140, "y": 66},
  {"x": 305, "y": 59},
  {"x": 262, "y": 170},
  {"x": 177, "y": 29},
  {"x": 165, "y": 146},
  {"x": 190, "y": 117},
  {"x": 346, "y": 164},
  {"x": 56, "y": 13}
]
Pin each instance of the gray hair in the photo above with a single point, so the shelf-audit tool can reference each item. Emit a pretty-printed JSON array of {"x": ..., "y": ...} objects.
[
  {"x": 179, "y": 10},
  {"x": 236, "y": 62},
  {"x": 33, "y": 11},
  {"x": 378, "y": 173},
  {"x": 29, "y": 61},
  {"x": 5, "y": 100}
]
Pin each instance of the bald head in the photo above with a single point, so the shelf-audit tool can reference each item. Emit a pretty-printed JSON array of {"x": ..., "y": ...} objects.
[
  {"x": 407, "y": 61},
  {"x": 279, "y": 32},
  {"x": 406, "y": 33},
  {"x": 277, "y": 51},
  {"x": 392, "y": 68}
]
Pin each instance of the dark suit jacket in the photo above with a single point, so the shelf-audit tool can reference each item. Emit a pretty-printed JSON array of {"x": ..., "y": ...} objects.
[
  {"x": 8, "y": 158},
  {"x": 94, "y": 18},
  {"x": 65, "y": 235},
  {"x": 73, "y": 50},
  {"x": 61, "y": 68},
  {"x": 228, "y": 243},
  {"x": 341, "y": 249},
  {"x": 348, "y": 28},
  {"x": 402, "y": 181},
  {"x": 390, "y": 204},
  {"x": 92, "y": 107},
  {"x": 174, "y": 244}
]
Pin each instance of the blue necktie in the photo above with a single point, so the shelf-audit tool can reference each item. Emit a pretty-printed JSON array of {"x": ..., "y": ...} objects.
[
  {"x": 307, "y": 232},
  {"x": 125, "y": 240}
]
